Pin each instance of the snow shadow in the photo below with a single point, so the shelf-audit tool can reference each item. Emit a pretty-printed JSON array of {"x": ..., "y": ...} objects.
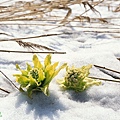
[
  {"x": 41, "y": 105},
  {"x": 79, "y": 96}
]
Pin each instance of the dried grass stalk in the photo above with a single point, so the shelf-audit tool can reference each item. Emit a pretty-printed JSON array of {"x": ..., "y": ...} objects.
[
  {"x": 22, "y": 10},
  {"x": 33, "y": 46},
  {"x": 81, "y": 18},
  {"x": 42, "y": 52},
  {"x": 9, "y": 79},
  {"x": 117, "y": 9},
  {"x": 24, "y": 38},
  {"x": 67, "y": 15},
  {"x": 4, "y": 90},
  {"x": 109, "y": 80},
  {"x": 107, "y": 69}
]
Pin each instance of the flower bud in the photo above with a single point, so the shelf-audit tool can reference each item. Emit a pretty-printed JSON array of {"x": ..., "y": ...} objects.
[{"x": 34, "y": 73}]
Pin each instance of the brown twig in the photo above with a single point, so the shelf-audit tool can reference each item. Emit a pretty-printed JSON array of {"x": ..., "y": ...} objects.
[
  {"x": 107, "y": 69},
  {"x": 24, "y": 38},
  {"x": 33, "y": 46},
  {"x": 9, "y": 80},
  {"x": 4, "y": 90},
  {"x": 117, "y": 80},
  {"x": 118, "y": 58},
  {"x": 33, "y": 52},
  {"x": 91, "y": 8}
]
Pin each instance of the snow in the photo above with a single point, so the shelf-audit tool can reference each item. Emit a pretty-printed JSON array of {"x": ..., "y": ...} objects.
[{"x": 82, "y": 48}]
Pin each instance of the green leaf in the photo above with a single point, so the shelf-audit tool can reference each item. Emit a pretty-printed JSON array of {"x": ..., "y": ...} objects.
[
  {"x": 21, "y": 90},
  {"x": 23, "y": 81},
  {"x": 17, "y": 66},
  {"x": 30, "y": 91},
  {"x": 17, "y": 75},
  {"x": 62, "y": 67},
  {"x": 28, "y": 67},
  {"x": 33, "y": 82},
  {"x": 37, "y": 63},
  {"x": 24, "y": 72},
  {"x": 51, "y": 67},
  {"x": 41, "y": 75},
  {"x": 50, "y": 72},
  {"x": 91, "y": 82},
  {"x": 45, "y": 90},
  {"x": 60, "y": 81},
  {"x": 85, "y": 70},
  {"x": 48, "y": 75},
  {"x": 55, "y": 65},
  {"x": 47, "y": 60}
]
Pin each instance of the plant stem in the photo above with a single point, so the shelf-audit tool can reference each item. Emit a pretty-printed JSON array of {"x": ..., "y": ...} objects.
[
  {"x": 4, "y": 90},
  {"x": 107, "y": 69},
  {"x": 24, "y": 38},
  {"x": 9, "y": 80},
  {"x": 54, "y": 52},
  {"x": 118, "y": 58},
  {"x": 118, "y": 81}
]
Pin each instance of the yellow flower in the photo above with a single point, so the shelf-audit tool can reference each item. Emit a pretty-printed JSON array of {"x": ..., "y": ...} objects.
[
  {"x": 77, "y": 79},
  {"x": 38, "y": 77}
]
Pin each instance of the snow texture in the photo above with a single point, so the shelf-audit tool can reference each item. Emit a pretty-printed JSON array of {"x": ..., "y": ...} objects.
[{"x": 97, "y": 103}]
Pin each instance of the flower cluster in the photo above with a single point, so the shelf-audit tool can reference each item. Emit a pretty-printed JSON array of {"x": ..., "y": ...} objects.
[
  {"x": 77, "y": 79},
  {"x": 37, "y": 78}
]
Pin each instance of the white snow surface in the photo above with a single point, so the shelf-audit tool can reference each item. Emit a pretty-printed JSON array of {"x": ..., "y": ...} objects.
[{"x": 97, "y": 103}]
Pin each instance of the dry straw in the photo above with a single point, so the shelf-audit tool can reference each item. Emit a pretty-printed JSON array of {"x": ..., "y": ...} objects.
[
  {"x": 108, "y": 69},
  {"x": 40, "y": 11}
]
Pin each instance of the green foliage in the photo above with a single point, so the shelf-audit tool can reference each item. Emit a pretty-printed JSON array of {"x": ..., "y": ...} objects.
[
  {"x": 77, "y": 79},
  {"x": 38, "y": 77}
]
